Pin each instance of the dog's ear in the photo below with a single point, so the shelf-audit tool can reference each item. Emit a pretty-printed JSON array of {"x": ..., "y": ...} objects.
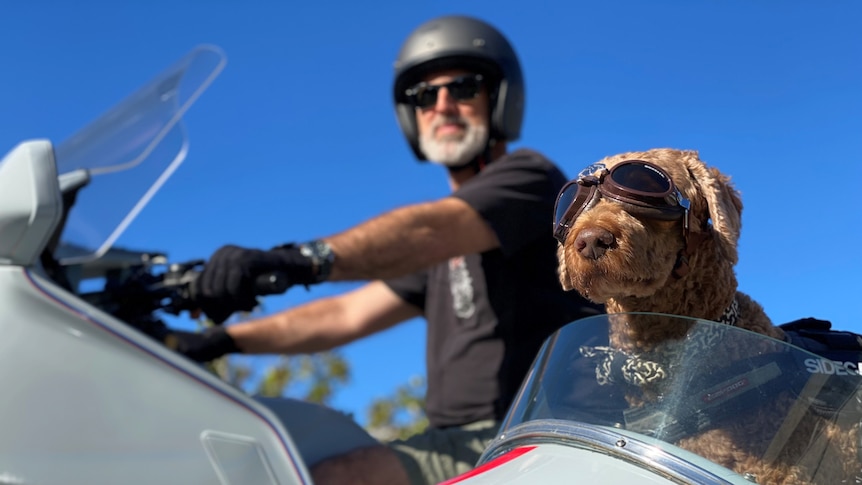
[
  {"x": 563, "y": 272},
  {"x": 724, "y": 205}
]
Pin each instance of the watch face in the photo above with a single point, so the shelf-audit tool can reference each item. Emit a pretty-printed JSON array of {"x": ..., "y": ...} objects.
[
  {"x": 318, "y": 251},
  {"x": 321, "y": 257},
  {"x": 326, "y": 251}
]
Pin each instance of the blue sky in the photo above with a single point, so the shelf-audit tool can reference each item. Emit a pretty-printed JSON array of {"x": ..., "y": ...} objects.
[{"x": 297, "y": 138}]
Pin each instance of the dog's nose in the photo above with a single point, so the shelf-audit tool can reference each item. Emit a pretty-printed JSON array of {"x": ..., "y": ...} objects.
[{"x": 592, "y": 243}]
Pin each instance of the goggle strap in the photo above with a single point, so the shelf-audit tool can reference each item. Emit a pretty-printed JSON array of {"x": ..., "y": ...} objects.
[{"x": 691, "y": 240}]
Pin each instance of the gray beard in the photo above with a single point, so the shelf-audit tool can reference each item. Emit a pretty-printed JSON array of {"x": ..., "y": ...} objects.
[{"x": 454, "y": 152}]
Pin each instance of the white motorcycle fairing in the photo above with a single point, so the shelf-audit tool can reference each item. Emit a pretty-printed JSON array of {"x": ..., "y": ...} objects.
[{"x": 88, "y": 398}]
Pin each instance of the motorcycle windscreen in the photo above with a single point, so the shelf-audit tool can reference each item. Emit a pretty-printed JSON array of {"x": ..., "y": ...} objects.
[
  {"x": 772, "y": 400},
  {"x": 129, "y": 152}
]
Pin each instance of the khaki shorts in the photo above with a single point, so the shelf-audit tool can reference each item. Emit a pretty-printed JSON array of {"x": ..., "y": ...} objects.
[{"x": 440, "y": 454}]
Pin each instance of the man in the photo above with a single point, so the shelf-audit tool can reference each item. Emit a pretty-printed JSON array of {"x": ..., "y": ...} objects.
[{"x": 479, "y": 265}]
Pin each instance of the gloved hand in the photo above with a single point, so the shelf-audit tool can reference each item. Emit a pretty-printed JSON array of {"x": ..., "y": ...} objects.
[
  {"x": 228, "y": 281},
  {"x": 205, "y": 346}
]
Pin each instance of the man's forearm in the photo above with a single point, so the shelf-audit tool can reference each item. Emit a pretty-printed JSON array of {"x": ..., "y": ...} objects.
[
  {"x": 409, "y": 239},
  {"x": 308, "y": 328},
  {"x": 325, "y": 323}
]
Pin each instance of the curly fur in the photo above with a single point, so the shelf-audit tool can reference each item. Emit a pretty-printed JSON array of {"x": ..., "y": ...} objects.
[{"x": 634, "y": 273}]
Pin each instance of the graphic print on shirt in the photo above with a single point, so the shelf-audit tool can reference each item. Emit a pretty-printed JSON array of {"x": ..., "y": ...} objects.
[{"x": 461, "y": 285}]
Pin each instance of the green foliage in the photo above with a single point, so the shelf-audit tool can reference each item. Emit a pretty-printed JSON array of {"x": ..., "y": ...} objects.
[
  {"x": 314, "y": 377},
  {"x": 400, "y": 414}
]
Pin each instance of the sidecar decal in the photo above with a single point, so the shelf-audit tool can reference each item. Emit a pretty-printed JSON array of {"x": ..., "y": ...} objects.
[{"x": 294, "y": 460}]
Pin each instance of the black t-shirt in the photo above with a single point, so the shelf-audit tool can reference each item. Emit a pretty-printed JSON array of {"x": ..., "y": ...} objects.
[{"x": 488, "y": 314}]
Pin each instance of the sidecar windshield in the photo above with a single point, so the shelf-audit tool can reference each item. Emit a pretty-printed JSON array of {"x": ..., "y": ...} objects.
[
  {"x": 128, "y": 153},
  {"x": 758, "y": 391}
]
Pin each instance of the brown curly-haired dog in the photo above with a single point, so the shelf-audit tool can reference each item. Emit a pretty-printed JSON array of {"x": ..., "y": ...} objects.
[{"x": 614, "y": 254}]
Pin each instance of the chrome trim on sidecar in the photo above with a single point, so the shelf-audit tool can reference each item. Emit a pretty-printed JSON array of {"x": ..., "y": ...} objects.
[{"x": 635, "y": 449}]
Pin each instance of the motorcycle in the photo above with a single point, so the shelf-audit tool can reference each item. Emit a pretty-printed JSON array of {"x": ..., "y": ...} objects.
[
  {"x": 91, "y": 394},
  {"x": 94, "y": 396}
]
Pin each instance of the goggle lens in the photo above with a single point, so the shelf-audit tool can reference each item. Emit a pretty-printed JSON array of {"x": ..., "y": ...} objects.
[
  {"x": 567, "y": 196},
  {"x": 641, "y": 178}
]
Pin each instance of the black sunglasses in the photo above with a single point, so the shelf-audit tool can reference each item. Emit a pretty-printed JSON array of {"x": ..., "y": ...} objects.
[
  {"x": 643, "y": 187},
  {"x": 424, "y": 95}
]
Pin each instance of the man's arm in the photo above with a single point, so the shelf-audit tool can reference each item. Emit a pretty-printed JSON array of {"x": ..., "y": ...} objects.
[
  {"x": 409, "y": 239},
  {"x": 391, "y": 245},
  {"x": 325, "y": 323}
]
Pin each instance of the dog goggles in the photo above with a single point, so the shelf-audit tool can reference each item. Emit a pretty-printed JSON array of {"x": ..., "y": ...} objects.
[
  {"x": 424, "y": 95},
  {"x": 642, "y": 187}
]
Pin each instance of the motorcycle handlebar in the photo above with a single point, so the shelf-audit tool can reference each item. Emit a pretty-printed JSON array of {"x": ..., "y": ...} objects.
[{"x": 134, "y": 295}]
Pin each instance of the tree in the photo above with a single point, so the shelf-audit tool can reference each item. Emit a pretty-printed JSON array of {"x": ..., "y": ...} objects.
[
  {"x": 400, "y": 414},
  {"x": 314, "y": 377}
]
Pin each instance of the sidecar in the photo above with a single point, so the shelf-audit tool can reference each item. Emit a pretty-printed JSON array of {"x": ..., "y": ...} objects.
[{"x": 589, "y": 412}]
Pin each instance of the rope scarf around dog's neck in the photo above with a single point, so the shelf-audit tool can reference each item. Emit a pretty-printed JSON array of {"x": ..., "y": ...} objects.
[
  {"x": 730, "y": 315},
  {"x": 615, "y": 365}
]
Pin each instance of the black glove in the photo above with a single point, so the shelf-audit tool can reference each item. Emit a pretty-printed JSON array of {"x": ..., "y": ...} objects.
[
  {"x": 230, "y": 279},
  {"x": 210, "y": 344}
]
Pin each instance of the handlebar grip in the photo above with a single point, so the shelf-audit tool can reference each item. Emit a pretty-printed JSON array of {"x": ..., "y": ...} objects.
[{"x": 274, "y": 283}]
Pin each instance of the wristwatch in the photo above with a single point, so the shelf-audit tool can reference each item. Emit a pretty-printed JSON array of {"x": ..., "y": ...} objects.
[{"x": 322, "y": 257}]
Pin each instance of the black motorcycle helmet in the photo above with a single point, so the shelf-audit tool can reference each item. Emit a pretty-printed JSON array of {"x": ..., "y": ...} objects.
[{"x": 459, "y": 42}]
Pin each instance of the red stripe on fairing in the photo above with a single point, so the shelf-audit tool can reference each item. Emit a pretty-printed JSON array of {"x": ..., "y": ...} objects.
[
  {"x": 511, "y": 455},
  {"x": 83, "y": 316}
]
